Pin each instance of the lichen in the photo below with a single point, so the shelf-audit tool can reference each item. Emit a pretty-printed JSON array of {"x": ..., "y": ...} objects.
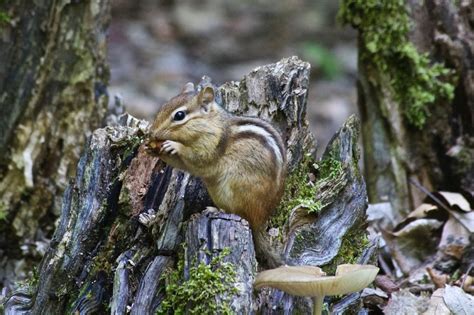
[
  {"x": 383, "y": 29},
  {"x": 197, "y": 293}
]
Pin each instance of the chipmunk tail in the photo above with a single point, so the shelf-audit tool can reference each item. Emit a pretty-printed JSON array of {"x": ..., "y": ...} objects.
[{"x": 267, "y": 256}]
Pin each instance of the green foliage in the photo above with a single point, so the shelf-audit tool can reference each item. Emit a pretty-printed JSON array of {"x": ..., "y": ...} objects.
[
  {"x": 323, "y": 58},
  {"x": 383, "y": 28},
  {"x": 197, "y": 294}
]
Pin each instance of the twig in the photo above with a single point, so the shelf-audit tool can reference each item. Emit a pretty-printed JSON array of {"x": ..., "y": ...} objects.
[{"x": 426, "y": 191}]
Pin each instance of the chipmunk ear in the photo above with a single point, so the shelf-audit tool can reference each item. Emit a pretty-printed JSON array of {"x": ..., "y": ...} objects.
[
  {"x": 188, "y": 87},
  {"x": 206, "y": 97}
]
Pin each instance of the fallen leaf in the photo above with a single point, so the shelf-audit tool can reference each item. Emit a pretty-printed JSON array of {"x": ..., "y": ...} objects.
[
  {"x": 437, "y": 277},
  {"x": 404, "y": 303},
  {"x": 422, "y": 210},
  {"x": 381, "y": 215},
  {"x": 468, "y": 284},
  {"x": 405, "y": 245},
  {"x": 425, "y": 210},
  {"x": 458, "y": 301},
  {"x": 465, "y": 218},
  {"x": 454, "y": 199},
  {"x": 437, "y": 305},
  {"x": 454, "y": 238}
]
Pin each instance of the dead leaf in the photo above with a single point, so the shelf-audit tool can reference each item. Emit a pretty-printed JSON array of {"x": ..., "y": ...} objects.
[
  {"x": 374, "y": 298},
  {"x": 454, "y": 238},
  {"x": 458, "y": 301},
  {"x": 425, "y": 210},
  {"x": 405, "y": 245},
  {"x": 422, "y": 210},
  {"x": 437, "y": 305},
  {"x": 437, "y": 277},
  {"x": 454, "y": 200},
  {"x": 421, "y": 227},
  {"x": 381, "y": 215},
  {"x": 403, "y": 303},
  {"x": 468, "y": 284},
  {"x": 465, "y": 218}
]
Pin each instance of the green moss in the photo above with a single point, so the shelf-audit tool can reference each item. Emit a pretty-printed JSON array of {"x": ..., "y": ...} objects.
[
  {"x": 353, "y": 243},
  {"x": 329, "y": 168},
  {"x": 131, "y": 146},
  {"x": 298, "y": 189},
  {"x": 3, "y": 211},
  {"x": 31, "y": 282},
  {"x": 5, "y": 18},
  {"x": 197, "y": 294},
  {"x": 302, "y": 186},
  {"x": 384, "y": 28}
]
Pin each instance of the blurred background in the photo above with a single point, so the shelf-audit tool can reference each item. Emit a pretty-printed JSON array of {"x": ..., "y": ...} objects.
[{"x": 155, "y": 47}]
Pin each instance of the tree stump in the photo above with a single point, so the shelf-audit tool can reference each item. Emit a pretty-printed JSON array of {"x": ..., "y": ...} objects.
[{"x": 126, "y": 215}]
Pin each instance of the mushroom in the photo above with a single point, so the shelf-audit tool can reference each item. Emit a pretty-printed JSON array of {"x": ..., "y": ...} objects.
[{"x": 312, "y": 281}]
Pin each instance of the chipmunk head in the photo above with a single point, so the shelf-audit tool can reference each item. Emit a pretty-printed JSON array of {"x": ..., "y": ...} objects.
[{"x": 185, "y": 117}]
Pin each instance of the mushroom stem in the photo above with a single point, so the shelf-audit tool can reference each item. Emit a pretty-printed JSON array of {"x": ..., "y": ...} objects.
[{"x": 318, "y": 305}]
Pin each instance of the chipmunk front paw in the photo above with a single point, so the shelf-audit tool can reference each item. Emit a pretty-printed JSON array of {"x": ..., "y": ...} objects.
[{"x": 171, "y": 147}]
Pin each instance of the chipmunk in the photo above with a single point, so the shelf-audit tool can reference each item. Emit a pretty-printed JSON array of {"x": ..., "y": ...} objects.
[{"x": 241, "y": 160}]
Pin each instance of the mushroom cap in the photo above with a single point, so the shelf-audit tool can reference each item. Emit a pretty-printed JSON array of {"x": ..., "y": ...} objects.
[{"x": 311, "y": 281}]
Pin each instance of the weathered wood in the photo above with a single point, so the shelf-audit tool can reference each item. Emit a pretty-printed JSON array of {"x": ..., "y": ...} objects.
[
  {"x": 276, "y": 93},
  {"x": 207, "y": 235},
  {"x": 317, "y": 239},
  {"x": 146, "y": 301},
  {"x": 318, "y": 242},
  {"x": 53, "y": 78}
]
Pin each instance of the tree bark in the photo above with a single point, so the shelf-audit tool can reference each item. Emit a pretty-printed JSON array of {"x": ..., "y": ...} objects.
[
  {"x": 53, "y": 78},
  {"x": 440, "y": 156}
]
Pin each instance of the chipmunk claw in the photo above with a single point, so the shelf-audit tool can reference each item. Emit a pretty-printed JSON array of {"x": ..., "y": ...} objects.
[{"x": 171, "y": 147}]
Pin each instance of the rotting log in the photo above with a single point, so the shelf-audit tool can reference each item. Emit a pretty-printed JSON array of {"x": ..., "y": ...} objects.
[{"x": 53, "y": 78}]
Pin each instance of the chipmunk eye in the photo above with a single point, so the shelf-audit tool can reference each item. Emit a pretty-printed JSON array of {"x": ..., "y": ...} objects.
[{"x": 179, "y": 115}]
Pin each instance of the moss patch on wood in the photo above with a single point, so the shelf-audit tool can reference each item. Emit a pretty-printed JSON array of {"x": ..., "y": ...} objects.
[
  {"x": 305, "y": 185},
  {"x": 384, "y": 28},
  {"x": 352, "y": 246},
  {"x": 197, "y": 293}
]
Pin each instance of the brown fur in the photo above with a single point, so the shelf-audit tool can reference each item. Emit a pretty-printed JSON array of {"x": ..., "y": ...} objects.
[{"x": 239, "y": 168}]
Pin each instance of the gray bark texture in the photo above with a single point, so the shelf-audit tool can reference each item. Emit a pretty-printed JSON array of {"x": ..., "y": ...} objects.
[
  {"x": 53, "y": 78},
  {"x": 440, "y": 156},
  {"x": 126, "y": 214}
]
